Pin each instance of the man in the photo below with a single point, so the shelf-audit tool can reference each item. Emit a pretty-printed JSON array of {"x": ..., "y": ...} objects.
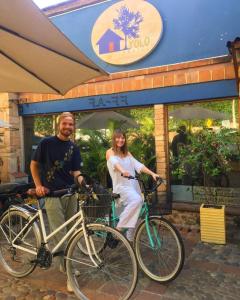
[
  {"x": 58, "y": 159},
  {"x": 179, "y": 140}
]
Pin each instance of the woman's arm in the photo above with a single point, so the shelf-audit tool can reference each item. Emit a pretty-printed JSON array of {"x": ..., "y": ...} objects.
[
  {"x": 140, "y": 168},
  {"x": 149, "y": 172}
]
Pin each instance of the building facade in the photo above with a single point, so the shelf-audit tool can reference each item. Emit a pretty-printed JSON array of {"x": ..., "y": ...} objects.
[{"x": 187, "y": 62}]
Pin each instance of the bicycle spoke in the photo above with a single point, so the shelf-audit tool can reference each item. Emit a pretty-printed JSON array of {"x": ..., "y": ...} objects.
[
  {"x": 16, "y": 261},
  {"x": 164, "y": 261},
  {"x": 115, "y": 276}
]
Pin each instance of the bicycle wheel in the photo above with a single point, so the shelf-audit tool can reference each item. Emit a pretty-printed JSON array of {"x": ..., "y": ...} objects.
[
  {"x": 115, "y": 275},
  {"x": 164, "y": 260},
  {"x": 15, "y": 261}
]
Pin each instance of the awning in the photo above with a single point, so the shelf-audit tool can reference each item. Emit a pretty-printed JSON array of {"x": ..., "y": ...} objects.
[{"x": 35, "y": 56}]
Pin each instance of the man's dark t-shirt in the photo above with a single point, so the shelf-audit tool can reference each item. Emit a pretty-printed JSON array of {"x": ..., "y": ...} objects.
[
  {"x": 57, "y": 158},
  {"x": 179, "y": 139}
]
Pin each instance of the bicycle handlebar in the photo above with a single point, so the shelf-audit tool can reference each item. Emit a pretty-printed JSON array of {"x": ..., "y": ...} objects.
[
  {"x": 57, "y": 193},
  {"x": 158, "y": 182},
  {"x": 68, "y": 191},
  {"x": 63, "y": 192}
]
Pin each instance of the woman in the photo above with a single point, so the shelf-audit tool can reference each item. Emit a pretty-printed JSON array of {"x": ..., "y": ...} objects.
[{"x": 121, "y": 163}]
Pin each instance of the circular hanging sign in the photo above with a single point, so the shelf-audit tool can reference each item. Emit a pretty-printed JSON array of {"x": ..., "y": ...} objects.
[{"x": 127, "y": 32}]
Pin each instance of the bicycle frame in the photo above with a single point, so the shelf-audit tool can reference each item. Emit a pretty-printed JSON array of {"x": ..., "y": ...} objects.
[
  {"x": 144, "y": 214},
  {"x": 79, "y": 219}
]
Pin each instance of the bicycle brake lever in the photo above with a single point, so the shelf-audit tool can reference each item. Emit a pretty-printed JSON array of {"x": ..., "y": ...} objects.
[
  {"x": 128, "y": 177},
  {"x": 161, "y": 180}
]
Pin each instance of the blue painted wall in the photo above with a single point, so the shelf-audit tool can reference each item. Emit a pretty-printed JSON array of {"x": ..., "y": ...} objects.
[{"x": 193, "y": 29}]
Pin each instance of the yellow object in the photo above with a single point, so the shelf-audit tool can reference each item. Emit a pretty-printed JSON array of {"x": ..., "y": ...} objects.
[
  {"x": 209, "y": 123},
  {"x": 212, "y": 224}
]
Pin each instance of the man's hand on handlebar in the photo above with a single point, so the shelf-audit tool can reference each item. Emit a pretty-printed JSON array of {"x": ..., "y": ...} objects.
[
  {"x": 80, "y": 180},
  {"x": 41, "y": 191}
]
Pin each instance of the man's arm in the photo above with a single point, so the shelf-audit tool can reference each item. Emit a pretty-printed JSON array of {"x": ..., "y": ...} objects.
[{"x": 40, "y": 189}]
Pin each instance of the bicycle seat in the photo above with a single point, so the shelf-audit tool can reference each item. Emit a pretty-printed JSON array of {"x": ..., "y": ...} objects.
[
  {"x": 9, "y": 188},
  {"x": 6, "y": 188}
]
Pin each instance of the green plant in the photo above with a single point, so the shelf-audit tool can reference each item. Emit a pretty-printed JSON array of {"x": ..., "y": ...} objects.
[
  {"x": 93, "y": 150},
  {"x": 207, "y": 156}
]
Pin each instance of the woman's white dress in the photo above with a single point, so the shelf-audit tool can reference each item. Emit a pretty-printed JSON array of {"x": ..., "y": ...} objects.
[{"x": 129, "y": 189}]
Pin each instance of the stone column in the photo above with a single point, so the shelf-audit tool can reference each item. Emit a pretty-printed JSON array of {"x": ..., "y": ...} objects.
[{"x": 10, "y": 144}]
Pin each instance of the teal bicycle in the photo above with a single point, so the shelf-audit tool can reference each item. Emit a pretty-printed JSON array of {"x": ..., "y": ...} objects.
[{"x": 158, "y": 245}]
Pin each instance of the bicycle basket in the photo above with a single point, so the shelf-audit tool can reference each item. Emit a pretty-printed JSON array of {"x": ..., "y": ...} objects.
[
  {"x": 97, "y": 205},
  {"x": 160, "y": 203}
]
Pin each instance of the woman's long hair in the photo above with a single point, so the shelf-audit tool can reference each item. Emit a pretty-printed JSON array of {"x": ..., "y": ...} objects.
[{"x": 124, "y": 149}]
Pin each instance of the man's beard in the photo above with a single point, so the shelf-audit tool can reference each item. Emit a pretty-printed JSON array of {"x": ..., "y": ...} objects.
[{"x": 66, "y": 132}]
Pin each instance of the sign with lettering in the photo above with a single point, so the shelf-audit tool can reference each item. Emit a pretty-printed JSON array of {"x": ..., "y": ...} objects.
[
  {"x": 126, "y": 32},
  {"x": 112, "y": 101}
]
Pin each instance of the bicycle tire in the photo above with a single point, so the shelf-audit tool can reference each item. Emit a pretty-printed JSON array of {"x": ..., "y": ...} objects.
[
  {"x": 16, "y": 262},
  {"x": 116, "y": 274},
  {"x": 164, "y": 261}
]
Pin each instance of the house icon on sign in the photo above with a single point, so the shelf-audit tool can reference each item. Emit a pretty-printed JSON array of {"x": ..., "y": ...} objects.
[{"x": 109, "y": 42}]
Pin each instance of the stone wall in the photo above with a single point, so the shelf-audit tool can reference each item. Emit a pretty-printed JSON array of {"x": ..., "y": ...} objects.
[
  {"x": 187, "y": 221},
  {"x": 216, "y": 195}
]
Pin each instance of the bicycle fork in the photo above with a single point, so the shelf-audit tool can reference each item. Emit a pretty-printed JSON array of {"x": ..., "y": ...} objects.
[
  {"x": 154, "y": 238},
  {"x": 91, "y": 248}
]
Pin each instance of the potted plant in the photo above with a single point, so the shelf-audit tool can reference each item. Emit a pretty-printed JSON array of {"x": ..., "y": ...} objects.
[{"x": 206, "y": 159}]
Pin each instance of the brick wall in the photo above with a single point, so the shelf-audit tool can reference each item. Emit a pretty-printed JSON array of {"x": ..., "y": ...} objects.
[
  {"x": 206, "y": 70},
  {"x": 161, "y": 141}
]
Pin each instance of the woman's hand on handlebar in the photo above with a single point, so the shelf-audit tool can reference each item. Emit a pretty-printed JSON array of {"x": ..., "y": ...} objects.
[
  {"x": 125, "y": 174},
  {"x": 155, "y": 176}
]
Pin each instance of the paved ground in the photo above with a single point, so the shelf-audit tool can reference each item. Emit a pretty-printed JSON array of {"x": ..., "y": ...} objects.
[{"x": 210, "y": 272}]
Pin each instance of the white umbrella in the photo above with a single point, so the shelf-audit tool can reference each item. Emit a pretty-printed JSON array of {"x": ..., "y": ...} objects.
[
  {"x": 4, "y": 124},
  {"x": 197, "y": 113},
  {"x": 35, "y": 56},
  {"x": 100, "y": 120}
]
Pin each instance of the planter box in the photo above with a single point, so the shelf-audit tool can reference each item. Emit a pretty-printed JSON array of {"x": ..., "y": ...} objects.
[{"x": 212, "y": 224}]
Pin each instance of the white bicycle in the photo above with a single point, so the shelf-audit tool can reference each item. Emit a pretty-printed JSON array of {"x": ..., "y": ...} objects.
[{"x": 106, "y": 267}]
